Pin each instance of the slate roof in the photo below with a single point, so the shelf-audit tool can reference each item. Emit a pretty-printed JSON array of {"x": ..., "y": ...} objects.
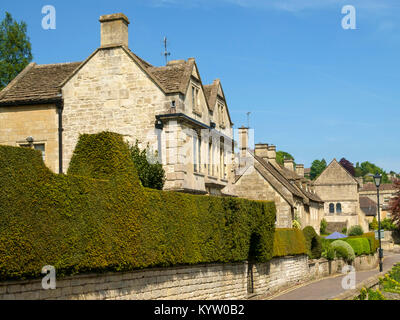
[
  {"x": 37, "y": 83},
  {"x": 368, "y": 206}
]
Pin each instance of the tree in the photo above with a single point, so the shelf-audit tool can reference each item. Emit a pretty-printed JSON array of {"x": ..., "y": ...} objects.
[
  {"x": 394, "y": 204},
  {"x": 281, "y": 156},
  {"x": 348, "y": 166},
  {"x": 151, "y": 173},
  {"x": 368, "y": 169},
  {"x": 15, "y": 49},
  {"x": 316, "y": 168}
]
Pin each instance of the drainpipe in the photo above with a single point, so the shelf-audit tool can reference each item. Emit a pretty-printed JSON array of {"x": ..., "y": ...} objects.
[{"x": 60, "y": 107}]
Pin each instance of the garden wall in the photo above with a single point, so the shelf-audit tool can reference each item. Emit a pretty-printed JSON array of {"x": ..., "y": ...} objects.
[{"x": 205, "y": 281}]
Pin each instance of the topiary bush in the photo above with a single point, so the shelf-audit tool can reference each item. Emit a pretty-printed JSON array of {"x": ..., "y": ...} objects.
[
  {"x": 99, "y": 218},
  {"x": 289, "y": 242},
  {"x": 343, "y": 250},
  {"x": 360, "y": 245},
  {"x": 355, "y": 231},
  {"x": 313, "y": 243},
  {"x": 323, "y": 226}
]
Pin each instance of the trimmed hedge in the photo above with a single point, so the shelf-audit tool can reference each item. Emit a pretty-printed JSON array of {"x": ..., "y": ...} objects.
[
  {"x": 313, "y": 243},
  {"x": 360, "y": 245},
  {"x": 289, "y": 242},
  {"x": 99, "y": 218},
  {"x": 343, "y": 250}
]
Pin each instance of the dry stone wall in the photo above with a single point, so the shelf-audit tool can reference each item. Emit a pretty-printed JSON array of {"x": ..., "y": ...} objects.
[{"x": 203, "y": 282}]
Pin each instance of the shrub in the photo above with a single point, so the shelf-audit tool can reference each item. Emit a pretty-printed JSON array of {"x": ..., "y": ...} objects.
[
  {"x": 355, "y": 231},
  {"x": 369, "y": 294},
  {"x": 343, "y": 250},
  {"x": 313, "y": 243},
  {"x": 387, "y": 224},
  {"x": 151, "y": 173},
  {"x": 360, "y": 245},
  {"x": 289, "y": 242},
  {"x": 374, "y": 224},
  {"x": 374, "y": 243},
  {"x": 99, "y": 218},
  {"x": 327, "y": 251},
  {"x": 323, "y": 226},
  {"x": 344, "y": 230}
]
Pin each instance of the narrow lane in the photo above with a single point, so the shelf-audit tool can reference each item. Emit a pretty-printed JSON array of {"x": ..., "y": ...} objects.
[{"x": 331, "y": 287}]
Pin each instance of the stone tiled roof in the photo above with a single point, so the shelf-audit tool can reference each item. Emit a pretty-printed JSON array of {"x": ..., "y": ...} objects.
[
  {"x": 267, "y": 165},
  {"x": 37, "y": 83},
  {"x": 368, "y": 206},
  {"x": 42, "y": 83},
  {"x": 175, "y": 77},
  {"x": 383, "y": 187},
  {"x": 282, "y": 182}
]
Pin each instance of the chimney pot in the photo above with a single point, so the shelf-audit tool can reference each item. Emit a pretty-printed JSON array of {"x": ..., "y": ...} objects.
[
  {"x": 114, "y": 30},
  {"x": 271, "y": 153},
  {"x": 300, "y": 170},
  {"x": 289, "y": 164},
  {"x": 261, "y": 150}
]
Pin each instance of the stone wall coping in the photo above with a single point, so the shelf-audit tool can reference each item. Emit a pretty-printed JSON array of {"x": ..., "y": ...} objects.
[{"x": 111, "y": 273}]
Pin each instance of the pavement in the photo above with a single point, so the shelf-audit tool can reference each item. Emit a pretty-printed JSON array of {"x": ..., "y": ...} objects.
[{"x": 330, "y": 287}]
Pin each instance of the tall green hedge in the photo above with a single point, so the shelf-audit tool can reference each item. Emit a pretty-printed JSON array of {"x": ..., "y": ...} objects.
[
  {"x": 289, "y": 242},
  {"x": 313, "y": 243},
  {"x": 360, "y": 245},
  {"x": 99, "y": 218}
]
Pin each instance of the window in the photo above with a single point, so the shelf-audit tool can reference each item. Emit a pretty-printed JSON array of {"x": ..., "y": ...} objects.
[
  {"x": 221, "y": 115},
  {"x": 209, "y": 156},
  {"x": 36, "y": 146},
  {"x": 195, "y": 153},
  {"x": 195, "y": 98},
  {"x": 199, "y": 153},
  {"x": 331, "y": 208},
  {"x": 221, "y": 159},
  {"x": 338, "y": 208}
]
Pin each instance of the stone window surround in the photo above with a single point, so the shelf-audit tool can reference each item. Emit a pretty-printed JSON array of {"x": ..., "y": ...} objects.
[{"x": 26, "y": 144}]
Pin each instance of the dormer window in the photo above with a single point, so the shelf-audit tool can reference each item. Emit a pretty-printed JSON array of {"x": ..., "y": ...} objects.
[{"x": 220, "y": 107}]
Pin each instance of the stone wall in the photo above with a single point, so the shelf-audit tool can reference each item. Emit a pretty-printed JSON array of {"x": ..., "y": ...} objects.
[
  {"x": 255, "y": 187},
  {"x": 40, "y": 122},
  {"x": 203, "y": 282}
]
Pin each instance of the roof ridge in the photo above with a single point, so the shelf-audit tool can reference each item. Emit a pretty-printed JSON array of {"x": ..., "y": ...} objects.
[{"x": 57, "y": 64}]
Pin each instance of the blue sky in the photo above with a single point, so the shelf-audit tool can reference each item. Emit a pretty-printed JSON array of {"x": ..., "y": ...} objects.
[{"x": 313, "y": 89}]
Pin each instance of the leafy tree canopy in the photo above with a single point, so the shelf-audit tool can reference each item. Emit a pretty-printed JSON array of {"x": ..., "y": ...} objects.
[
  {"x": 367, "y": 169},
  {"x": 15, "y": 49},
  {"x": 281, "y": 156},
  {"x": 316, "y": 168},
  {"x": 151, "y": 172}
]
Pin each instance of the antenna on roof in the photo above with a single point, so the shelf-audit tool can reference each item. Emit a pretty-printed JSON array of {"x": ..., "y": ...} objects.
[
  {"x": 248, "y": 119},
  {"x": 166, "y": 53}
]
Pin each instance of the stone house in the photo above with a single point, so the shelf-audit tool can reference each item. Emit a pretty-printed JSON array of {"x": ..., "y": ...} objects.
[
  {"x": 260, "y": 177},
  {"x": 167, "y": 109},
  {"x": 339, "y": 191},
  {"x": 386, "y": 192}
]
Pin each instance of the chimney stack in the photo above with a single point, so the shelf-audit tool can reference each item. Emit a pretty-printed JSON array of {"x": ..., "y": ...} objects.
[
  {"x": 243, "y": 141},
  {"x": 289, "y": 164},
  {"x": 114, "y": 30},
  {"x": 271, "y": 153},
  {"x": 261, "y": 150},
  {"x": 300, "y": 170}
]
